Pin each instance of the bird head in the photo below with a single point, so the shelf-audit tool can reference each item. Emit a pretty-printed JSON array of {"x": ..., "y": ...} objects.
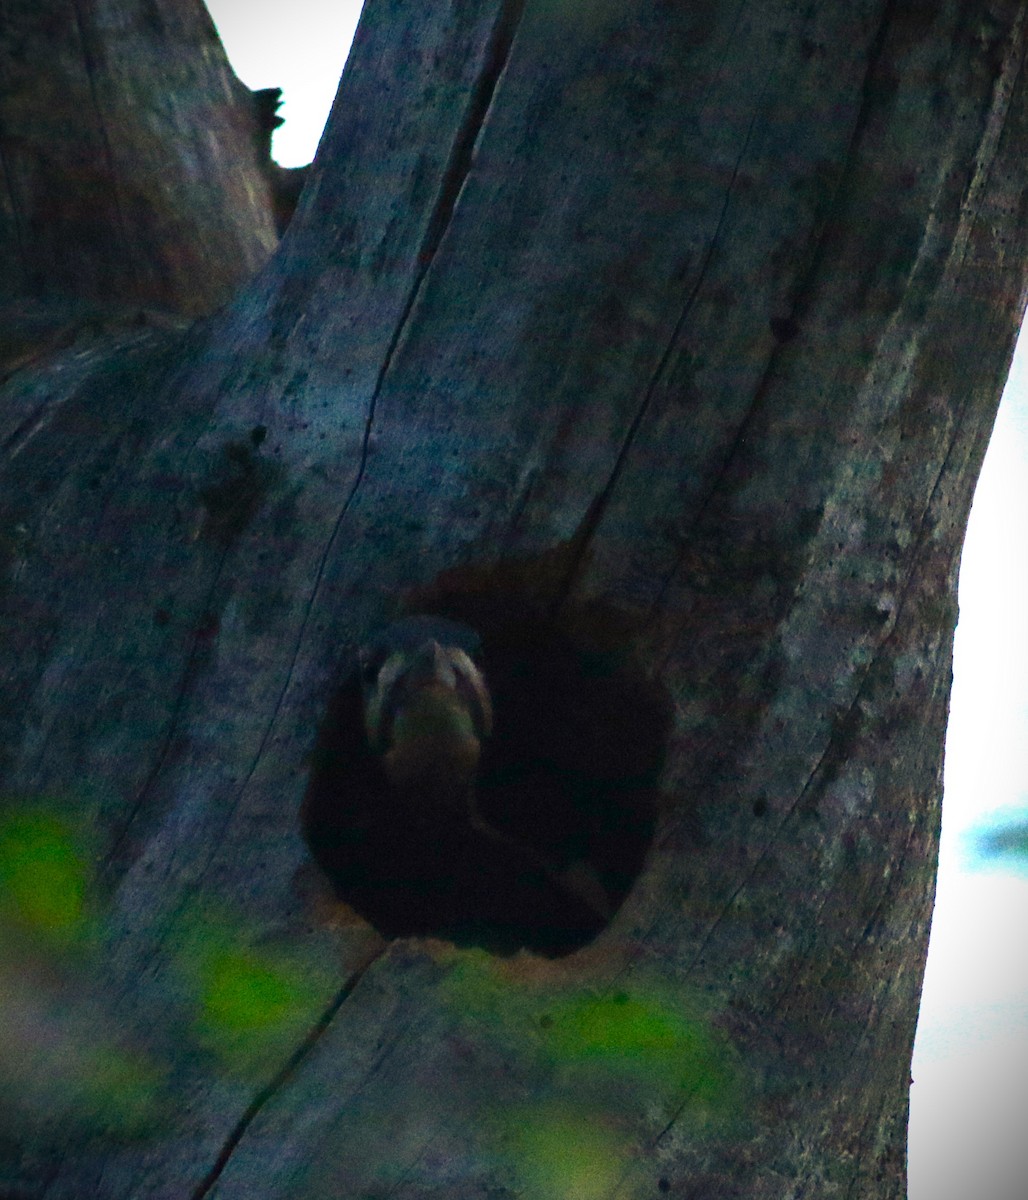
[{"x": 426, "y": 705}]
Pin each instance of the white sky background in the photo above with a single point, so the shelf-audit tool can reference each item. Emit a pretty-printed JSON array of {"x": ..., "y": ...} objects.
[
  {"x": 969, "y": 1103},
  {"x": 297, "y": 45}
]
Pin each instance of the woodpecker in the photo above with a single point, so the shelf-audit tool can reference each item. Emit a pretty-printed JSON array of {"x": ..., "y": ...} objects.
[
  {"x": 428, "y": 714},
  {"x": 427, "y": 710}
]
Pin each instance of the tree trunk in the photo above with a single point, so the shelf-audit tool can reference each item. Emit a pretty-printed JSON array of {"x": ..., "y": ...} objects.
[
  {"x": 131, "y": 169},
  {"x": 674, "y": 330}
]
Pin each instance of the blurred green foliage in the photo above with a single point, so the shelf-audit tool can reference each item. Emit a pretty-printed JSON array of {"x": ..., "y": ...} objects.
[
  {"x": 64, "y": 1060},
  {"x": 641, "y": 1039},
  {"x": 560, "y": 1152},
  {"x": 43, "y": 876},
  {"x": 242, "y": 994},
  {"x": 642, "y": 1036},
  {"x": 253, "y": 1004},
  {"x": 118, "y": 1089},
  {"x": 607, "y": 1067},
  {"x": 63, "y": 1067}
]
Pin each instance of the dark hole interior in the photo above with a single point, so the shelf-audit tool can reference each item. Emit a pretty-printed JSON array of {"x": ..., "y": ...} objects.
[{"x": 570, "y": 775}]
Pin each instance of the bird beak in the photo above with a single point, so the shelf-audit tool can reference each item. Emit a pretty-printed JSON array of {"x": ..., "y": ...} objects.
[{"x": 431, "y": 666}]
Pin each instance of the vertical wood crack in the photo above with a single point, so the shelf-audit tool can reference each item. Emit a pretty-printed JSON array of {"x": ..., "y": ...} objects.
[
  {"x": 282, "y": 1077},
  {"x": 91, "y": 73},
  {"x": 456, "y": 172}
]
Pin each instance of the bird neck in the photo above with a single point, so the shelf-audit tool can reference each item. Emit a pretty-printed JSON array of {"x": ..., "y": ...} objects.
[{"x": 434, "y": 749}]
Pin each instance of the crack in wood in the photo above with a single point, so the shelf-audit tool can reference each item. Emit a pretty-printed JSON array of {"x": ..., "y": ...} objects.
[
  {"x": 16, "y": 214},
  {"x": 91, "y": 73},
  {"x": 888, "y": 983},
  {"x": 858, "y": 694},
  {"x": 803, "y": 290},
  {"x": 454, "y": 176},
  {"x": 26, "y": 429},
  {"x": 17, "y": 221},
  {"x": 594, "y": 514},
  {"x": 182, "y": 692},
  {"x": 458, "y": 168},
  {"x": 1011, "y": 64},
  {"x": 282, "y": 1076}
]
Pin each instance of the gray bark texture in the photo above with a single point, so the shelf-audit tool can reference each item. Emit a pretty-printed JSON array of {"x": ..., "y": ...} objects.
[{"x": 683, "y": 325}]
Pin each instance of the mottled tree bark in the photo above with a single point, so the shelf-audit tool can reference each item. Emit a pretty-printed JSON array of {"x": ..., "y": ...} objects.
[{"x": 681, "y": 323}]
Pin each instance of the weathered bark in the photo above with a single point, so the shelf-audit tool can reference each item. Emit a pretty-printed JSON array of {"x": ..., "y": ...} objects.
[
  {"x": 688, "y": 321},
  {"x": 130, "y": 157}
]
